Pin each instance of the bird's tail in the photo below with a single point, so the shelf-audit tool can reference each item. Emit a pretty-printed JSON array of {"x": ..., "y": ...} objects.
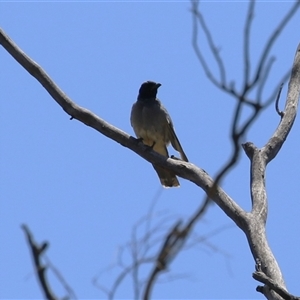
[{"x": 166, "y": 177}]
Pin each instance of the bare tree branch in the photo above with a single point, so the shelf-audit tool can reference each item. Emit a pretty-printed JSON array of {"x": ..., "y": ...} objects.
[
  {"x": 173, "y": 243},
  {"x": 263, "y": 66},
  {"x": 237, "y": 134},
  {"x": 238, "y": 130},
  {"x": 141, "y": 251},
  {"x": 276, "y": 141},
  {"x": 261, "y": 84},
  {"x": 253, "y": 223},
  {"x": 260, "y": 276},
  {"x": 256, "y": 220},
  {"x": 183, "y": 169},
  {"x": 247, "y": 29},
  {"x": 284, "y": 78},
  {"x": 36, "y": 252},
  {"x": 126, "y": 270},
  {"x": 197, "y": 16},
  {"x": 273, "y": 38},
  {"x": 170, "y": 248},
  {"x": 60, "y": 277},
  {"x": 280, "y": 113}
]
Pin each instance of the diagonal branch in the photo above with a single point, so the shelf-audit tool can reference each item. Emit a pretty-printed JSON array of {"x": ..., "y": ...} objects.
[
  {"x": 183, "y": 169},
  {"x": 37, "y": 251},
  {"x": 197, "y": 16},
  {"x": 273, "y": 38}
]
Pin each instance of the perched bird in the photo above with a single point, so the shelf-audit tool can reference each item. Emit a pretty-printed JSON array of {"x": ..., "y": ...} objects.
[{"x": 153, "y": 125}]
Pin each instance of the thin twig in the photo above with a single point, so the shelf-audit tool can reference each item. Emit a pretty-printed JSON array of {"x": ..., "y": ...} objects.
[
  {"x": 205, "y": 67},
  {"x": 166, "y": 253},
  {"x": 280, "y": 113},
  {"x": 214, "y": 50},
  {"x": 60, "y": 277},
  {"x": 151, "y": 210},
  {"x": 273, "y": 38},
  {"x": 249, "y": 20},
  {"x": 263, "y": 79},
  {"x": 272, "y": 96}
]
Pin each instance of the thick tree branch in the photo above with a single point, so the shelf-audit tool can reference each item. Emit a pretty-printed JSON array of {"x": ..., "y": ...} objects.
[
  {"x": 254, "y": 222},
  {"x": 183, "y": 169},
  {"x": 251, "y": 223},
  {"x": 289, "y": 114},
  {"x": 255, "y": 230}
]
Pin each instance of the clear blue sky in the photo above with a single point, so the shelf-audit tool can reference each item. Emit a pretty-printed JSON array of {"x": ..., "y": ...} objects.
[{"x": 83, "y": 192}]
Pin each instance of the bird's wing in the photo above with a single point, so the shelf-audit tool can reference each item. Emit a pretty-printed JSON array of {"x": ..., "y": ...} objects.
[{"x": 175, "y": 143}]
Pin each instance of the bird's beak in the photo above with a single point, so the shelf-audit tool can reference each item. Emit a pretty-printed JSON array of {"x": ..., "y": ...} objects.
[{"x": 158, "y": 85}]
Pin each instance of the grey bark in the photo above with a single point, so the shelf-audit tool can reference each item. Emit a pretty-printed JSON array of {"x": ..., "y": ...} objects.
[{"x": 252, "y": 223}]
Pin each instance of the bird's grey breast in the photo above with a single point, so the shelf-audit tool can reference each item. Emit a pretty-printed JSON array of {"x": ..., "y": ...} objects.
[{"x": 150, "y": 121}]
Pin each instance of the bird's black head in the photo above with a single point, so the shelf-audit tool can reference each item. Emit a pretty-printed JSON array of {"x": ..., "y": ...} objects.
[{"x": 148, "y": 90}]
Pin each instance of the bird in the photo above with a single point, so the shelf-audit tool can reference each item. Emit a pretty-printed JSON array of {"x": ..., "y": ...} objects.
[{"x": 152, "y": 124}]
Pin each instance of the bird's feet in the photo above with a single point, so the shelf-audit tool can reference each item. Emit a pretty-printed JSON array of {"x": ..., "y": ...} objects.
[
  {"x": 174, "y": 157},
  {"x": 149, "y": 147}
]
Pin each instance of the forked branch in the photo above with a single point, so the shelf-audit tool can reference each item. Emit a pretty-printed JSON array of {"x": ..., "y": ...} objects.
[
  {"x": 253, "y": 224},
  {"x": 255, "y": 229},
  {"x": 37, "y": 252}
]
